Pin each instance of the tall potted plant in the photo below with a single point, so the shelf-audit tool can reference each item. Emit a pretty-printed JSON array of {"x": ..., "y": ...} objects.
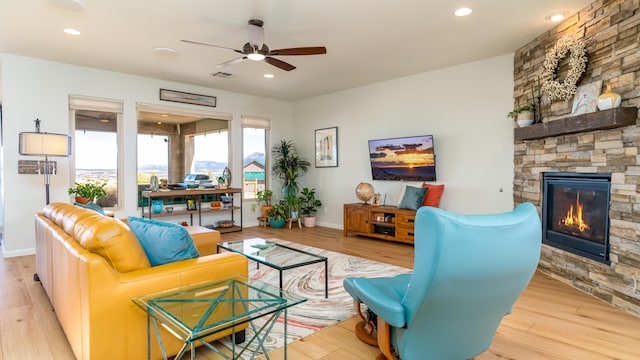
[
  {"x": 288, "y": 164},
  {"x": 309, "y": 205}
]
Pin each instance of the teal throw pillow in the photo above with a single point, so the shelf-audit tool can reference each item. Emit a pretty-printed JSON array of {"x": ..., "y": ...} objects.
[
  {"x": 163, "y": 242},
  {"x": 91, "y": 206},
  {"x": 413, "y": 198}
]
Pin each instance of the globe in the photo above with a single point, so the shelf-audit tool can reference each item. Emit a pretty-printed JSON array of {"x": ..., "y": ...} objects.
[{"x": 364, "y": 192}]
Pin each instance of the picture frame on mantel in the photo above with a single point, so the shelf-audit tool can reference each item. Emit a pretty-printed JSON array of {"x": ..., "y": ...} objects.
[
  {"x": 586, "y": 98},
  {"x": 326, "y": 141},
  {"x": 187, "y": 98}
]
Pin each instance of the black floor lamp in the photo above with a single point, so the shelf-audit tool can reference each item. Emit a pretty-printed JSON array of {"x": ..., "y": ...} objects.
[{"x": 45, "y": 144}]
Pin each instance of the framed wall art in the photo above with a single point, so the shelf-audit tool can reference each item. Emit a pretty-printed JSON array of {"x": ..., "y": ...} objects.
[
  {"x": 187, "y": 98},
  {"x": 327, "y": 147},
  {"x": 586, "y": 98}
]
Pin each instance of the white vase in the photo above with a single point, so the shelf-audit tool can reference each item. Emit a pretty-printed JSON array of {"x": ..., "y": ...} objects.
[
  {"x": 609, "y": 99},
  {"x": 525, "y": 118}
]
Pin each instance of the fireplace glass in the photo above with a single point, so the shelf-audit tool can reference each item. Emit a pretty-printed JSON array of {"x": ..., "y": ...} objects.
[{"x": 576, "y": 213}]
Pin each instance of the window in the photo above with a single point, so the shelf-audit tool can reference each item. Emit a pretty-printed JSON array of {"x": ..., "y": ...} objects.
[
  {"x": 254, "y": 140},
  {"x": 96, "y": 155},
  {"x": 153, "y": 157},
  {"x": 210, "y": 154}
]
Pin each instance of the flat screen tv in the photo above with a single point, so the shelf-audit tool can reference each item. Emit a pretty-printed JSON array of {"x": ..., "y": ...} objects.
[{"x": 406, "y": 158}]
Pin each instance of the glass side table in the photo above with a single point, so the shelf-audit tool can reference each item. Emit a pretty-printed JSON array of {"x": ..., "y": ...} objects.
[{"x": 193, "y": 312}]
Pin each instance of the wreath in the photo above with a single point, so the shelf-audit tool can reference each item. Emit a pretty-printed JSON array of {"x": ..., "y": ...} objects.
[{"x": 554, "y": 87}]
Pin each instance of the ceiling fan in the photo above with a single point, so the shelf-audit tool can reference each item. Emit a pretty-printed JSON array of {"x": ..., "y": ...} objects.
[{"x": 257, "y": 50}]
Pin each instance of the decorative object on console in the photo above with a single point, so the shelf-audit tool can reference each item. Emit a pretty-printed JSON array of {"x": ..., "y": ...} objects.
[
  {"x": 408, "y": 158},
  {"x": 327, "y": 147},
  {"x": 413, "y": 198},
  {"x": 226, "y": 175},
  {"x": 433, "y": 194},
  {"x": 154, "y": 184},
  {"x": 523, "y": 114},
  {"x": 586, "y": 97},
  {"x": 169, "y": 209},
  {"x": 557, "y": 88},
  {"x": 156, "y": 206},
  {"x": 191, "y": 204},
  {"x": 376, "y": 200},
  {"x": 44, "y": 144},
  {"x": 365, "y": 192},
  {"x": 609, "y": 99}
]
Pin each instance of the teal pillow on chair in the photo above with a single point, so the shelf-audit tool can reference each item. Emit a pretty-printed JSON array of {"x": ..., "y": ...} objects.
[
  {"x": 163, "y": 242},
  {"x": 91, "y": 206},
  {"x": 412, "y": 198}
]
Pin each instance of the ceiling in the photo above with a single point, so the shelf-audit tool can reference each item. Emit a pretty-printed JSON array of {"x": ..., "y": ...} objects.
[{"x": 365, "y": 43}]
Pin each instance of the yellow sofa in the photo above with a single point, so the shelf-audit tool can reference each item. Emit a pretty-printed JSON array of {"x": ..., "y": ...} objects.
[{"x": 91, "y": 266}]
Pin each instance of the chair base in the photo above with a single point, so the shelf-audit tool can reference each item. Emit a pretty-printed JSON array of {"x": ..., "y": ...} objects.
[{"x": 365, "y": 335}]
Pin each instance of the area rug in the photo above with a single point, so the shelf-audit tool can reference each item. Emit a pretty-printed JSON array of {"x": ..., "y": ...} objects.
[{"x": 317, "y": 312}]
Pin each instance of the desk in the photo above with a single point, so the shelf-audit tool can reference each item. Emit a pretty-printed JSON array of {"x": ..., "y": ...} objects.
[{"x": 196, "y": 311}]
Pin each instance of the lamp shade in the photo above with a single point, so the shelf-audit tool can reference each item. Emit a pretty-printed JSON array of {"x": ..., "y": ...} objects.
[{"x": 37, "y": 143}]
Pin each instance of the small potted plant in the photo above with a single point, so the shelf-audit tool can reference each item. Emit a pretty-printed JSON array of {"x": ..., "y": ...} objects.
[
  {"x": 309, "y": 205},
  {"x": 264, "y": 198},
  {"x": 277, "y": 214},
  {"x": 523, "y": 114},
  {"x": 88, "y": 192},
  {"x": 293, "y": 202}
]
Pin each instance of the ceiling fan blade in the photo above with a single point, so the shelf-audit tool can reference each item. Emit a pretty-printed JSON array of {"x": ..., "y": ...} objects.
[
  {"x": 312, "y": 50},
  {"x": 231, "y": 62},
  {"x": 216, "y": 46},
  {"x": 279, "y": 64}
]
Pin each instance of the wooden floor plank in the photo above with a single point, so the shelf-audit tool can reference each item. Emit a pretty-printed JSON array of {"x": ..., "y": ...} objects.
[{"x": 550, "y": 321}]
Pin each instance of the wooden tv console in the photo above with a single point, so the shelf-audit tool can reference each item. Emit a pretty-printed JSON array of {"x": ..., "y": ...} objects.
[{"x": 382, "y": 222}]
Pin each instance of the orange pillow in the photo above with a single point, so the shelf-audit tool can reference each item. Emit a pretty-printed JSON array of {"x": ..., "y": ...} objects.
[{"x": 434, "y": 193}]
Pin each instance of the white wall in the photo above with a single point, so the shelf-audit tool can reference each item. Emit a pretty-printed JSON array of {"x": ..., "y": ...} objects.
[
  {"x": 33, "y": 88},
  {"x": 464, "y": 107}
]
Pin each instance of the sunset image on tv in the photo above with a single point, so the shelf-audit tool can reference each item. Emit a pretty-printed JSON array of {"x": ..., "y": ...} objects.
[{"x": 408, "y": 158}]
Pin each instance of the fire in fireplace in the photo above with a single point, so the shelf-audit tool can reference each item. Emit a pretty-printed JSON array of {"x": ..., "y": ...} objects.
[{"x": 575, "y": 213}]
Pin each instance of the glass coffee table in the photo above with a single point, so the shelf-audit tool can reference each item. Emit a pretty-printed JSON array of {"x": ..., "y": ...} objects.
[
  {"x": 193, "y": 312},
  {"x": 277, "y": 256}
]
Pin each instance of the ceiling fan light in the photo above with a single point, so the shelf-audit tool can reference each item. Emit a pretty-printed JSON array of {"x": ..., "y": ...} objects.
[{"x": 255, "y": 57}]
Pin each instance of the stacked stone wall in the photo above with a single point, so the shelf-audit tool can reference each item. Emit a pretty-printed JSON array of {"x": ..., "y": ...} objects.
[{"x": 611, "y": 33}]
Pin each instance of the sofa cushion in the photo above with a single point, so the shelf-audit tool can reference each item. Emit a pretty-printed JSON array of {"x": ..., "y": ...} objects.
[
  {"x": 433, "y": 194},
  {"x": 413, "y": 198},
  {"x": 112, "y": 240},
  {"x": 163, "y": 242}
]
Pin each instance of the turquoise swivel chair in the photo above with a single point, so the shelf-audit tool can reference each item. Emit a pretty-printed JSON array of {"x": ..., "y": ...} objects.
[{"x": 468, "y": 272}]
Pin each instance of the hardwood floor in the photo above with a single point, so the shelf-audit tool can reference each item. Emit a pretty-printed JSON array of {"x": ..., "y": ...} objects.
[{"x": 550, "y": 321}]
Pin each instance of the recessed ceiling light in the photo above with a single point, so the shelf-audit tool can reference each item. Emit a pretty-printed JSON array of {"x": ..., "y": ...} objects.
[
  {"x": 556, "y": 16},
  {"x": 165, "y": 51},
  {"x": 71, "y": 31},
  {"x": 463, "y": 11},
  {"x": 269, "y": 76}
]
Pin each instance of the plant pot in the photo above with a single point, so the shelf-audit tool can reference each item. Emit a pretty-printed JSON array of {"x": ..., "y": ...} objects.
[
  {"x": 293, "y": 214},
  {"x": 265, "y": 209},
  {"x": 525, "y": 118},
  {"x": 83, "y": 200},
  {"x": 276, "y": 223},
  {"x": 309, "y": 221}
]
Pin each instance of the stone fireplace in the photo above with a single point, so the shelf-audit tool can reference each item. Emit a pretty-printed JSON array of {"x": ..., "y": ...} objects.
[
  {"x": 575, "y": 213},
  {"x": 606, "y": 143}
]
